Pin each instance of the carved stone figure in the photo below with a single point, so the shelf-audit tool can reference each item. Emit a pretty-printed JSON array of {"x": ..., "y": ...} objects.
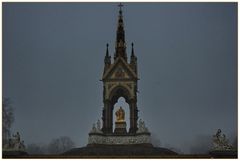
[
  {"x": 120, "y": 73},
  {"x": 120, "y": 114},
  {"x": 220, "y": 142},
  {"x": 15, "y": 143},
  {"x": 22, "y": 146},
  {"x": 142, "y": 127},
  {"x": 98, "y": 125},
  {"x": 94, "y": 129},
  {"x": 16, "y": 137}
]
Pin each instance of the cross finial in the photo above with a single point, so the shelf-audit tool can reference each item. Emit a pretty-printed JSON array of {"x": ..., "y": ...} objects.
[{"x": 120, "y": 6}]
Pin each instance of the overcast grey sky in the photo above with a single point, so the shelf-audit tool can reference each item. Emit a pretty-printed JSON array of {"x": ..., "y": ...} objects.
[{"x": 53, "y": 57}]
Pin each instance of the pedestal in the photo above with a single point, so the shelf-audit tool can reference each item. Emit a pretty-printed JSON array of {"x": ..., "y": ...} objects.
[{"x": 120, "y": 128}]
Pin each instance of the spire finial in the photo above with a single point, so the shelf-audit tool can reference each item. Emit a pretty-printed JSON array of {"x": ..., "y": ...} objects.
[
  {"x": 132, "y": 49},
  {"x": 120, "y": 7},
  {"x": 107, "y": 51},
  {"x": 107, "y": 59},
  {"x": 120, "y": 39}
]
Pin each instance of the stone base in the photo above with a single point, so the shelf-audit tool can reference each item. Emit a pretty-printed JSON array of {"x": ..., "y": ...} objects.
[
  {"x": 120, "y": 128},
  {"x": 223, "y": 153},
  {"x": 119, "y": 151}
]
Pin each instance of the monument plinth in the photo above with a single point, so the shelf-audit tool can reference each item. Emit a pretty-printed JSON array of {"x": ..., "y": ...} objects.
[{"x": 120, "y": 128}]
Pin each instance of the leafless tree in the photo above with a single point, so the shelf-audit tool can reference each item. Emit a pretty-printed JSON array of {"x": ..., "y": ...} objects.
[
  {"x": 8, "y": 119},
  {"x": 60, "y": 145}
]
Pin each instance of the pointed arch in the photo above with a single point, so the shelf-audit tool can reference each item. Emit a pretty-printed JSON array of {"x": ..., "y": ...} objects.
[{"x": 119, "y": 91}]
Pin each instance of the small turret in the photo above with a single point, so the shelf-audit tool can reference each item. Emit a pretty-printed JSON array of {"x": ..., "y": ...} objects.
[
  {"x": 133, "y": 60},
  {"x": 107, "y": 59}
]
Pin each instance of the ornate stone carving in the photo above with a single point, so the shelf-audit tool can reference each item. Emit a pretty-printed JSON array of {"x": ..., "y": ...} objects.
[
  {"x": 96, "y": 129},
  {"x": 98, "y": 125},
  {"x": 142, "y": 127},
  {"x": 110, "y": 85},
  {"x": 15, "y": 143},
  {"x": 125, "y": 139},
  {"x": 120, "y": 80},
  {"x": 120, "y": 73},
  {"x": 129, "y": 85},
  {"x": 220, "y": 141}
]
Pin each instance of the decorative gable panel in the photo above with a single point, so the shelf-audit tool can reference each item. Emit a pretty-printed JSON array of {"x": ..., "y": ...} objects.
[{"x": 120, "y": 70}]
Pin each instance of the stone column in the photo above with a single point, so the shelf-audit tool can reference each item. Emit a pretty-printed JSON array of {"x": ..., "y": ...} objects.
[
  {"x": 133, "y": 117},
  {"x": 106, "y": 116},
  {"x": 111, "y": 118},
  {"x": 104, "y": 119}
]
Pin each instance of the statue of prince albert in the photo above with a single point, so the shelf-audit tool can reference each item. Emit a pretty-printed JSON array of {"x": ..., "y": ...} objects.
[{"x": 120, "y": 114}]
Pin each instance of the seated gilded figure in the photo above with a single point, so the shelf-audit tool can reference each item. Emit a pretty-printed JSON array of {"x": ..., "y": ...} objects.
[{"x": 120, "y": 115}]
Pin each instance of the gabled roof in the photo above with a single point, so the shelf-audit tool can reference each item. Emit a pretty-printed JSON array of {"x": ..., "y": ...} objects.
[{"x": 119, "y": 62}]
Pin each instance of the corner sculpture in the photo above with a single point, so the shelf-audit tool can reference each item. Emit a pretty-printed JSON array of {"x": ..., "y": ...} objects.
[
  {"x": 220, "y": 142},
  {"x": 14, "y": 143}
]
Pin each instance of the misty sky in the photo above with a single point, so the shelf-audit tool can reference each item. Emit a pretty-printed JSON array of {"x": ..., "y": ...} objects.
[{"x": 53, "y": 59}]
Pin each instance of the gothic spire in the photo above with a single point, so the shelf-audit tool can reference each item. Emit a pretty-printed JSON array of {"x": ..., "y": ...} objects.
[
  {"x": 107, "y": 54},
  {"x": 107, "y": 59},
  {"x": 133, "y": 60},
  {"x": 120, "y": 49},
  {"x": 132, "y": 54}
]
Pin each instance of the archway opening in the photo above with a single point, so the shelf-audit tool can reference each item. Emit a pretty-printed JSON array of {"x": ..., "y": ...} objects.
[{"x": 121, "y": 102}]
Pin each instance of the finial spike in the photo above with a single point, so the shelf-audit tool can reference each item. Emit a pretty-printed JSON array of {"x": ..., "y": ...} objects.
[
  {"x": 107, "y": 54},
  {"x": 132, "y": 54},
  {"x": 120, "y": 6}
]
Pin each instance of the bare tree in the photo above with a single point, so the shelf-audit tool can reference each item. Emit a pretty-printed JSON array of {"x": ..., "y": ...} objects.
[
  {"x": 8, "y": 119},
  {"x": 60, "y": 145}
]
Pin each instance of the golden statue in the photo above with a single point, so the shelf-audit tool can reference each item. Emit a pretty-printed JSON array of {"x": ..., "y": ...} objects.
[{"x": 120, "y": 114}]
